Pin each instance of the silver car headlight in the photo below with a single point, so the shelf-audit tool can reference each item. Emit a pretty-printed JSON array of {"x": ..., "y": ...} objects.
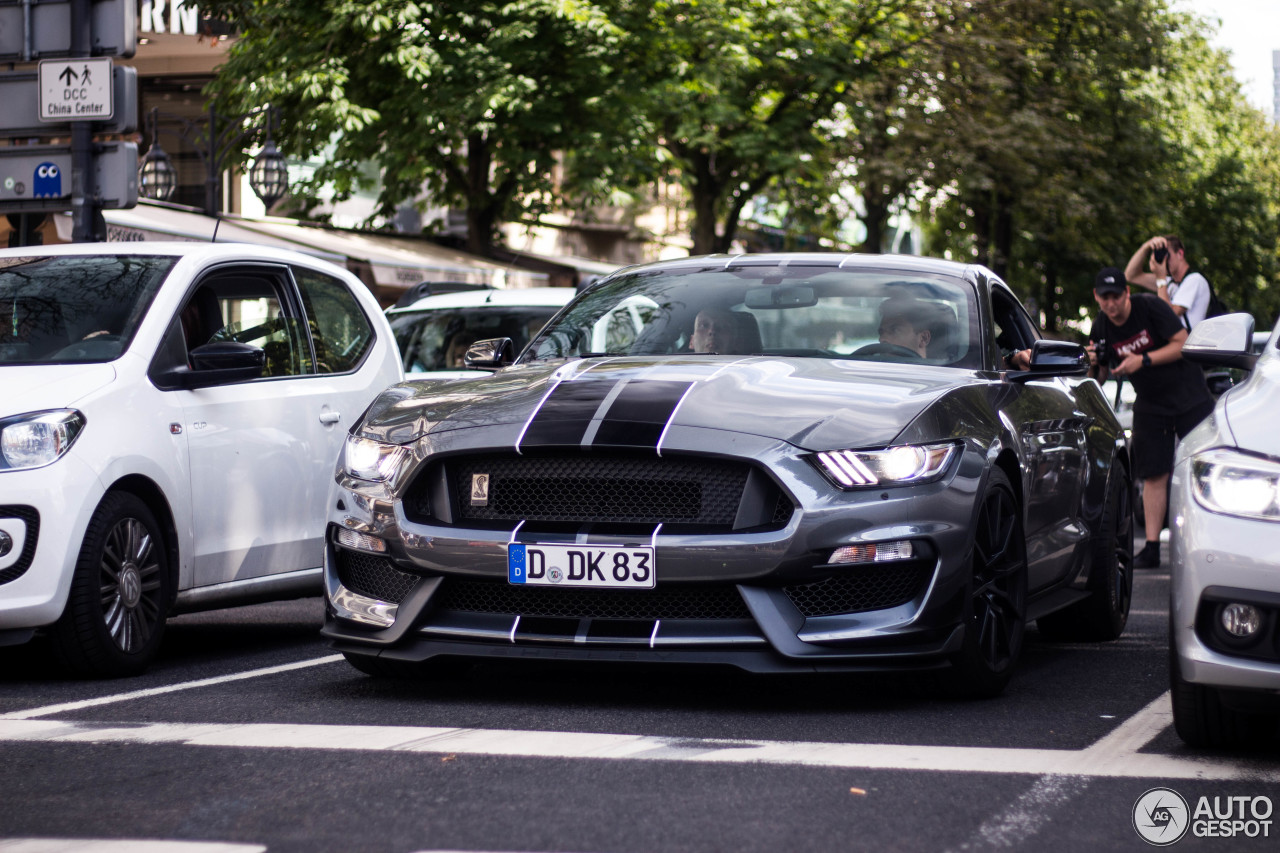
[
  {"x": 366, "y": 459},
  {"x": 906, "y": 464},
  {"x": 39, "y": 438},
  {"x": 1234, "y": 483}
]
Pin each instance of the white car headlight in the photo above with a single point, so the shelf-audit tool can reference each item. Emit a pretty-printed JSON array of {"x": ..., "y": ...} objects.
[
  {"x": 39, "y": 438},
  {"x": 366, "y": 459},
  {"x": 1233, "y": 483},
  {"x": 892, "y": 466}
]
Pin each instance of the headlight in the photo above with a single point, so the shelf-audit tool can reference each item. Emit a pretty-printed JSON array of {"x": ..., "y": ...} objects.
[
  {"x": 34, "y": 440},
  {"x": 892, "y": 466},
  {"x": 366, "y": 459},
  {"x": 1232, "y": 483}
]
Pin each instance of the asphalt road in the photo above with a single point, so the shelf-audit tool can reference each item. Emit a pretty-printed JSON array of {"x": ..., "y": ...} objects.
[{"x": 251, "y": 735}]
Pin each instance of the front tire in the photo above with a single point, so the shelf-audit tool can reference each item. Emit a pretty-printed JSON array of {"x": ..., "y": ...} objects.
[
  {"x": 120, "y": 593},
  {"x": 1103, "y": 615},
  {"x": 996, "y": 606}
]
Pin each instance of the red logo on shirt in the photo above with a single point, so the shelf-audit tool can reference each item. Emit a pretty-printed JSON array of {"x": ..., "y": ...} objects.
[{"x": 1136, "y": 345}]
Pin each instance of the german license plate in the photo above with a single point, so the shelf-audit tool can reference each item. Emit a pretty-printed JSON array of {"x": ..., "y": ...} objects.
[{"x": 608, "y": 566}]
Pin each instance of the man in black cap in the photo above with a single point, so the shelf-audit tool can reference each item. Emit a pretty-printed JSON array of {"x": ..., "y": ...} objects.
[{"x": 1140, "y": 338}]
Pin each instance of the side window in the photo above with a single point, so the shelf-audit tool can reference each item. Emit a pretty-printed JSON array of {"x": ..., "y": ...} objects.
[
  {"x": 246, "y": 307},
  {"x": 1013, "y": 328},
  {"x": 340, "y": 331}
]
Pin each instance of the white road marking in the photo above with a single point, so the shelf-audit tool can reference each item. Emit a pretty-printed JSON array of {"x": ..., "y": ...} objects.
[
  {"x": 158, "y": 691},
  {"x": 1116, "y": 755},
  {"x": 127, "y": 845},
  {"x": 1027, "y": 814}
]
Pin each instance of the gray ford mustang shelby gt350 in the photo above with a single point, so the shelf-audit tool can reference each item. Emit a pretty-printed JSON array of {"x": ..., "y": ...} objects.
[{"x": 781, "y": 463}]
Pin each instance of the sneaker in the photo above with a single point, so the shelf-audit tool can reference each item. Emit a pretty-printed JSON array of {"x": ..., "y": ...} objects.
[{"x": 1148, "y": 557}]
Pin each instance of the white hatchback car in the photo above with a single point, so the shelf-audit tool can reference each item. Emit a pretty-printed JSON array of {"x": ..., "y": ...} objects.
[
  {"x": 169, "y": 425},
  {"x": 1225, "y": 524},
  {"x": 435, "y": 331}
]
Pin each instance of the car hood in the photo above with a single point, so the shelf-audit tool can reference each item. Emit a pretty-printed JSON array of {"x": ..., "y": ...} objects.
[
  {"x": 1251, "y": 411},
  {"x": 33, "y": 388},
  {"x": 815, "y": 404}
]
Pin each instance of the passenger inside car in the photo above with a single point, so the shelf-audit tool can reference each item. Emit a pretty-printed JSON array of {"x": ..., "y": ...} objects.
[{"x": 457, "y": 349}]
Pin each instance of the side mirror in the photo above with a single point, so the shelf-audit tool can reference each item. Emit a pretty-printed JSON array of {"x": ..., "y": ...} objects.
[
  {"x": 1053, "y": 358},
  {"x": 1224, "y": 341},
  {"x": 490, "y": 354},
  {"x": 220, "y": 363},
  {"x": 1219, "y": 382}
]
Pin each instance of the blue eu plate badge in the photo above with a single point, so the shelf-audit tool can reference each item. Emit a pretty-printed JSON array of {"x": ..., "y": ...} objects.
[{"x": 516, "y": 563}]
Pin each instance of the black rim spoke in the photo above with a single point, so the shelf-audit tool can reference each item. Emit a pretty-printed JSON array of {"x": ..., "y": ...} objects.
[{"x": 996, "y": 596}]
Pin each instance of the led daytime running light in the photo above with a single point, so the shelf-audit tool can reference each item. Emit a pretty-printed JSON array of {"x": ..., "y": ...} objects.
[
  {"x": 1232, "y": 483},
  {"x": 366, "y": 459},
  {"x": 852, "y": 469}
]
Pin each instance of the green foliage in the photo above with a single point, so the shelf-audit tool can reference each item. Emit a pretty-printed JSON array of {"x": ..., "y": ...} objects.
[
  {"x": 1043, "y": 138},
  {"x": 739, "y": 90},
  {"x": 469, "y": 99}
]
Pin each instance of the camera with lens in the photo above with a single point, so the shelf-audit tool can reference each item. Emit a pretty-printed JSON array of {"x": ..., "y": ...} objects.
[{"x": 1160, "y": 253}]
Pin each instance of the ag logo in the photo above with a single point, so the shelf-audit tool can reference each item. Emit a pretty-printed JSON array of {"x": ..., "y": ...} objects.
[{"x": 1161, "y": 816}]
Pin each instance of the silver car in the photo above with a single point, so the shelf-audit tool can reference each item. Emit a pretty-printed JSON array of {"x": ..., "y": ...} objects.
[{"x": 1225, "y": 514}]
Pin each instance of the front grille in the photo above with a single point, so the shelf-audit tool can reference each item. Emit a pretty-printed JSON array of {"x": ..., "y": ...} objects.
[
  {"x": 373, "y": 577},
  {"x": 860, "y": 588},
  {"x": 31, "y": 518},
  {"x": 675, "y": 602},
  {"x": 559, "y": 490},
  {"x": 608, "y": 488}
]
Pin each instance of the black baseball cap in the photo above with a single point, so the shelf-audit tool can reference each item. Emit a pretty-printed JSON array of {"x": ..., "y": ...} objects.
[{"x": 1110, "y": 280}]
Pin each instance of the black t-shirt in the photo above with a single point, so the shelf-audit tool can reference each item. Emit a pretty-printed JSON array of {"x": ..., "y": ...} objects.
[{"x": 1161, "y": 388}]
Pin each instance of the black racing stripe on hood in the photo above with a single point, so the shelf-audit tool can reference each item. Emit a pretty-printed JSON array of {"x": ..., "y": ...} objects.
[
  {"x": 567, "y": 413},
  {"x": 640, "y": 414}
]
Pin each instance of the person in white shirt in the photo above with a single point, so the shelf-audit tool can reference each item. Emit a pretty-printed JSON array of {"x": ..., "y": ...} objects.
[{"x": 1170, "y": 276}]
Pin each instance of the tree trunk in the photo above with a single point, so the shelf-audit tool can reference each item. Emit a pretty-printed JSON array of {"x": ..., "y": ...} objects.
[
  {"x": 876, "y": 218},
  {"x": 480, "y": 213},
  {"x": 705, "y": 191}
]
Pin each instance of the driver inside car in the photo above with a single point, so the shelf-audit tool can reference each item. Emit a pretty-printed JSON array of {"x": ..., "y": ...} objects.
[
  {"x": 714, "y": 331},
  {"x": 904, "y": 323}
]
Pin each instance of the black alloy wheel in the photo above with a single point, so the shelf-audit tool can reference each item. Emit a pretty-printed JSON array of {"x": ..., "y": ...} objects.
[
  {"x": 115, "y": 613},
  {"x": 1103, "y": 615},
  {"x": 996, "y": 609}
]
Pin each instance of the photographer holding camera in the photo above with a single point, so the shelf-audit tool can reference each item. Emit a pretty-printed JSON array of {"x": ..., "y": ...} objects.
[
  {"x": 1140, "y": 338},
  {"x": 1170, "y": 276}
]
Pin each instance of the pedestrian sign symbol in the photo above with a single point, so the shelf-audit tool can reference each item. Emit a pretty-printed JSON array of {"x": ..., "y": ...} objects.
[{"x": 76, "y": 90}]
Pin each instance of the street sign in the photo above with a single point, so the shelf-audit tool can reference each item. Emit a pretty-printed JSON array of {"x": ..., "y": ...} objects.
[
  {"x": 37, "y": 178},
  {"x": 20, "y": 94},
  {"x": 115, "y": 29},
  {"x": 76, "y": 89}
]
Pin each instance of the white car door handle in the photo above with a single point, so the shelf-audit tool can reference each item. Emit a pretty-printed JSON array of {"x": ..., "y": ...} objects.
[{"x": 330, "y": 417}]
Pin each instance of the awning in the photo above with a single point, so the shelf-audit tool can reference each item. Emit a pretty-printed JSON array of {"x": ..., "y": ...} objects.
[
  {"x": 386, "y": 263},
  {"x": 155, "y": 222},
  {"x": 397, "y": 262}
]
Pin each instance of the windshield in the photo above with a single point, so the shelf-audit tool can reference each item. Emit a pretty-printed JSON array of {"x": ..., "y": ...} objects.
[
  {"x": 798, "y": 311},
  {"x": 437, "y": 339},
  {"x": 74, "y": 308}
]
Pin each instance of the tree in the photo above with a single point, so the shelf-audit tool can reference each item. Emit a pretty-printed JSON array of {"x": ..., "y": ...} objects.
[
  {"x": 469, "y": 99},
  {"x": 738, "y": 91}
]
